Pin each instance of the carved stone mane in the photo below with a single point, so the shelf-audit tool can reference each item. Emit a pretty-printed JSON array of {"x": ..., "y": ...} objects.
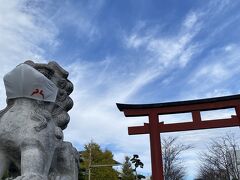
[{"x": 58, "y": 76}]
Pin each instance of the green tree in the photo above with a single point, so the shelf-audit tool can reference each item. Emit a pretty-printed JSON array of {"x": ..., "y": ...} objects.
[
  {"x": 127, "y": 170},
  {"x": 98, "y": 163},
  {"x": 137, "y": 163}
]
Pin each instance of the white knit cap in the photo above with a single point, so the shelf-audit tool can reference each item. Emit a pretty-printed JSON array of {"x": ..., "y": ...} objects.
[{"x": 25, "y": 81}]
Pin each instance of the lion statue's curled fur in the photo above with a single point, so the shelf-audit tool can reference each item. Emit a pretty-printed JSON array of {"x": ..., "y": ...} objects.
[{"x": 31, "y": 132}]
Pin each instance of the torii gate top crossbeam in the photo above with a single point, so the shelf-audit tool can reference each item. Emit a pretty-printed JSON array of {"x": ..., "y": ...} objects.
[{"x": 180, "y": 106}]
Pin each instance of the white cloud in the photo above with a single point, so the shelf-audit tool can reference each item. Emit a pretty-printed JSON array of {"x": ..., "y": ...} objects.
[
  {"x": 190, "y": 20},
  {"x": 99, "y": 85},
  {"x": 186, "y": 55},
  {"x": 218, "y": 67},
  {"x": 80, "y": 17},
  {"x": 135, "y": 41},
  {"x": 170, "y": 50},
  {"x": 216, "y": 72},
  {"x": 22, "y": 33},
  {"x": 217, "y": 7},
  {"x": 95, "y": 114},
  {"x": 167, "y": 51}
]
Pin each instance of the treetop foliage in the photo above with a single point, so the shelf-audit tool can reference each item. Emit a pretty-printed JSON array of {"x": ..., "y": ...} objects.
[{"x": 98, "y": 163}]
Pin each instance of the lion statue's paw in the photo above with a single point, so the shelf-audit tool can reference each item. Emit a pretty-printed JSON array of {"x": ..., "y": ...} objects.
[{"x": 31, "y": 177}]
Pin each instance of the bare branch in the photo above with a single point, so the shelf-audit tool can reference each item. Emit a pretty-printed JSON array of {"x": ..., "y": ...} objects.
[{"x": 220, "y": 161}]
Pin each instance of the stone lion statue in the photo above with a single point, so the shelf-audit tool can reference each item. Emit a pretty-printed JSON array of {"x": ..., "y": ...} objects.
[{"x": 32, "y": 124}]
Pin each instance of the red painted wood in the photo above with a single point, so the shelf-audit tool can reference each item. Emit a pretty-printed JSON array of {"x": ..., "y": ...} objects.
[
  {"x": 182, "y": 109},
  {"x": 200, "y": 125},
  {"x": 155, "y": 145},
  {"x": 196, "y": 117},
  {"x": 154, "y": 128},
  {"x": 139, "y": 129},
  {"x": 186, "y": 126}
]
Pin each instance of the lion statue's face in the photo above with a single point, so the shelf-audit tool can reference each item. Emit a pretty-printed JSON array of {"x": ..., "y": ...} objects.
[{"x": 59, "y": 77}]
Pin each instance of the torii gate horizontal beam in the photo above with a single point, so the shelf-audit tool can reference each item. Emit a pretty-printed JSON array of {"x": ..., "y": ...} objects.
[
  {"x": 186, "y": 126},
  {"x": 154, "y": 128},
  {"x": 180, "y": 106}
]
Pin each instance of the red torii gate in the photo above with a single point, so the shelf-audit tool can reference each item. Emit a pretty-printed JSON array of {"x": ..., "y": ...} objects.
[{"x": 154, "y": 128}]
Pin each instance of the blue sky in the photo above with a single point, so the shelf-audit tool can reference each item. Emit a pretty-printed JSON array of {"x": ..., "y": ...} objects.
[{"x": 128, "y": 51}]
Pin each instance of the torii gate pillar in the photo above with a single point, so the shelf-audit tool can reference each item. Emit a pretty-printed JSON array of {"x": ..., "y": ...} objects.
[
  {"x": 155, "y": 144},
  {"x": 154, "y": 128}
]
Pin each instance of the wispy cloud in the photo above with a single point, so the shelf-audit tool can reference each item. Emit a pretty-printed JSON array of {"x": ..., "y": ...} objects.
[
  {"x": 217, "y": 70},
  {"x": 99, "y": 85},
  {"x": 23, "y": 32},
  {"x": 170, "y": 50},
  {"x": 147, "y": 55},
  {"x": 80, "y": 17}
]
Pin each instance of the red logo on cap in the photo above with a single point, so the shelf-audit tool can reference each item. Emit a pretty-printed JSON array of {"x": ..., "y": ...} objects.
[{"x": 38, "y": 91}]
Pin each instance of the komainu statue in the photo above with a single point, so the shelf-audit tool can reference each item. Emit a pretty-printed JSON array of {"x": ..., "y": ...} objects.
[{"x": 32, "y": 124}]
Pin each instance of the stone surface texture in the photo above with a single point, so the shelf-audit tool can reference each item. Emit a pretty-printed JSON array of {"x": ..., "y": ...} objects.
[{"x": 31, "y": 133}]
